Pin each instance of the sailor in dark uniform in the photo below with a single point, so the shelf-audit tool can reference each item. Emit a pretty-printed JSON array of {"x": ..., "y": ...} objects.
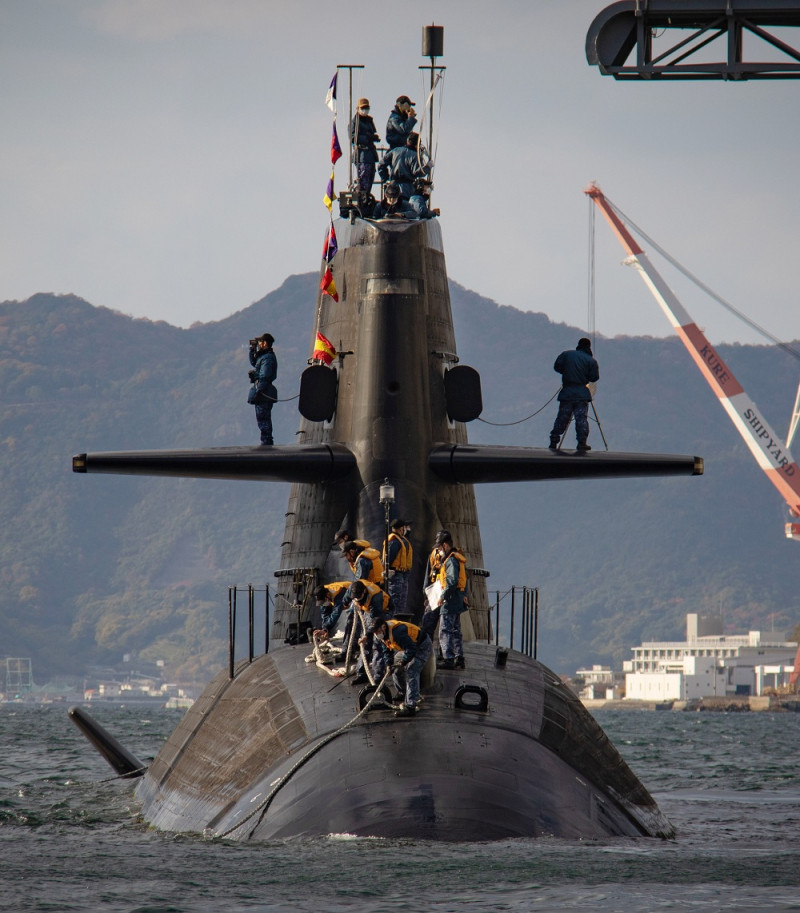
[
  {"x": 363, "y": 138},
  {"x": 263, "y": 393},
  {"x": 578, "y": 369},
  {"x": 402, "y": 120}
]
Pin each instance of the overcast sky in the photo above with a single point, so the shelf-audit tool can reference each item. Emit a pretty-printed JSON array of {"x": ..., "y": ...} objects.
[{"x": 168, "y": 158}]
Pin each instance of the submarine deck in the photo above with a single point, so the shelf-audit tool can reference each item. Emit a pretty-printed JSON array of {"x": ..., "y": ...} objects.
[{"x": 279, "y": 751}]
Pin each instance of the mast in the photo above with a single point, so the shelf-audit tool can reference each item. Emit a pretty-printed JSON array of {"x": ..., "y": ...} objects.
[
  {"x": 432, "y": 47},
  {"x": 772, "y": 455}
]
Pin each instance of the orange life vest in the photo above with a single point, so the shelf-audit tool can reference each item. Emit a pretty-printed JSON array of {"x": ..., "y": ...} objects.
[
  {"x": 405, "y": 555},
  {"x": 461, "y": 583},
  {"x": 414, "y": 633}
]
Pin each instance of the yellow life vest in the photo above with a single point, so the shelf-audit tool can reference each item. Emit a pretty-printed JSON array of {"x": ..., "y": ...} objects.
[
  {"x": 461, "y": 583},
  {"x": 335, "y": 588},
  {"x": 372, "y": 554},
  {"x": 434, "y": 563},
  {"x": 372, "y": 589},
  {"x": 404, "y": 557},
  {"x": 414, "y": 633}
]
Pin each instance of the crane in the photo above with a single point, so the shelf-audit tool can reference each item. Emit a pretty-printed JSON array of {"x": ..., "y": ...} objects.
[{"x": 771, "y": 453}]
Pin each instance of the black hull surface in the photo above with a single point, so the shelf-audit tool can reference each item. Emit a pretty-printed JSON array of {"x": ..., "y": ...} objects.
[{"x": 270, "y": 755}]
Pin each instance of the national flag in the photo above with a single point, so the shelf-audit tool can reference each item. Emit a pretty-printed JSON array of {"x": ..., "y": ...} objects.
[
  {"x": 324, "y": 350},
  {"x": 328, "y": 286},
  {"x": 336, "y": 149},
  {"x": 330, "y": 98},
  {"x": 330, "y": 194},
  {"x": 330, "y": 248}
]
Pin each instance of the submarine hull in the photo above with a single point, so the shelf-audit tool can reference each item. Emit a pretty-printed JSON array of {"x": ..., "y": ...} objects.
[{"x": 281, "y": 751}]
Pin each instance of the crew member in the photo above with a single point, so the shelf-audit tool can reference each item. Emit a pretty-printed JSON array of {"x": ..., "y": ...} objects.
[
  {"x": 329, "y": 598},
  {"x": 344, "y": 536},
  {"x": 419, "y": 201},
  {"x": 402, "y": 120},
  {"x": 368, "y": 603},
  {"x": 453, "y": 579},
  {"x": 577, "y": 368},
  {"x": 392, "y": 205},
  {"x": 263, "y": 393},
  {"x": 363, "y": 138},
  {"x": 404, "y": 164},
  {"x": 410, "y": 648},
  {"x": 399, "y": 557},
  {"x": 365, "y": 563}
]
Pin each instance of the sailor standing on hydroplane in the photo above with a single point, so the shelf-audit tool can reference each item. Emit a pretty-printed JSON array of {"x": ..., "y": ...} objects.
[{"x": 578, "y": 368}]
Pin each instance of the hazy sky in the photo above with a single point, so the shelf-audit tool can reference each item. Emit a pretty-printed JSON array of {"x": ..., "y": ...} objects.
[{"x": 168, "y": 158}]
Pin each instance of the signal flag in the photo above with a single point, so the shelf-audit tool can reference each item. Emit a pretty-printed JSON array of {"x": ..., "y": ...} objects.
[
  {"x": 324, "y": 350},
  {"x": 328, "y": 286}
]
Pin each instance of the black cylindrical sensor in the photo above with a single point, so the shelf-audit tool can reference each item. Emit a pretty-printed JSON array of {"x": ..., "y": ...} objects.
[{"x": 432, "y": 40}]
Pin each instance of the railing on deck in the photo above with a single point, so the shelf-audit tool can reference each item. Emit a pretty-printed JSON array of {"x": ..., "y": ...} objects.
[
  {"x": 521, "y": 605},
  {"x": 235, "y": 595},
  {"x": 515, "y": 623}
]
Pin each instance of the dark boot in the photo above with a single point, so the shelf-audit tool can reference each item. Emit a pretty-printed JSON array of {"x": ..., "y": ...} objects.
[{"x": 583, "y": 446}]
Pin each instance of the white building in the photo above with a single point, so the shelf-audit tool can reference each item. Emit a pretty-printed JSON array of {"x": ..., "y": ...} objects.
[
  {"x": 707, "y": 664},
  {"x": 600, "y": 683}
]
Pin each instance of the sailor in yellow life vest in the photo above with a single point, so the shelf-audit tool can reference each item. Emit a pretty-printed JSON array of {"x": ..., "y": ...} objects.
[
  {"x": 453, "y": 578},
  {"x": 373, "y": 605},
  {"x": 409, "y": 647},
  {"x": 399, "y": 555},
  {"x": 328, "y": 600},
  {"x": 365, "y": 563}
]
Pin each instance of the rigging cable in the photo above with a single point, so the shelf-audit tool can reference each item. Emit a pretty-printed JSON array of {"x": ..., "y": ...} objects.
[
  {"x": 718, "y": 298},
  {"x": 521, "y": 420}
]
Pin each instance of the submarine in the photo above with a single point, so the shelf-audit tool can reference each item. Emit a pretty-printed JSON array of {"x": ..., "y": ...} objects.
[{"x": 276, "y": 747}]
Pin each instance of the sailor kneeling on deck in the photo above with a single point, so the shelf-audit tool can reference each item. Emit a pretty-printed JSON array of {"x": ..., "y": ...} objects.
[{"x": 408, "y": 647}]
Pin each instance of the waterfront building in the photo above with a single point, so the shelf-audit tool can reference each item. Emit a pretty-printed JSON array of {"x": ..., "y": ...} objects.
[
  {"x": 600, "y": 683},
  {"x": 708, "y": 663}
]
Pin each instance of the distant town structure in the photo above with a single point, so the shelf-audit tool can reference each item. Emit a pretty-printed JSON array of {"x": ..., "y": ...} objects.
[
  {"x": 600, "y": 683},
  {"x": 708, "y": 664},
  {"x": 16, "y": 674}
]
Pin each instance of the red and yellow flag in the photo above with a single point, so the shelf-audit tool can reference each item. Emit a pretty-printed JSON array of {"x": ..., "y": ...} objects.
[
  {"x": 328, "y": 286},
  {"x": 324, "y": 350}
]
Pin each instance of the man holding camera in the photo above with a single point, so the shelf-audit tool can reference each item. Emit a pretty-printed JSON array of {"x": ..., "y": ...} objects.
[
  {"x": 402, "y": 120},
  {"x": 263, "y": 393}
]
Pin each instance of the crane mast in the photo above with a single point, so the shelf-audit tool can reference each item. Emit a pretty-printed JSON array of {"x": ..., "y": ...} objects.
[{"x": 772, "y": 455}]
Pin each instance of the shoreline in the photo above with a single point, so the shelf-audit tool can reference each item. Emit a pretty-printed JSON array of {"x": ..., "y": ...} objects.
[{"x": 729, "y": 704}]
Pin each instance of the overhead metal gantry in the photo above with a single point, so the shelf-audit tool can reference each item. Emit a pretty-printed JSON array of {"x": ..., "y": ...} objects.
[{"x": 696, "y": 39}]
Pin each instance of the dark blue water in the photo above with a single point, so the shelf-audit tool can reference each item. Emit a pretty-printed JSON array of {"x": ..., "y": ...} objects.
[{"x": 70, "y": 838}]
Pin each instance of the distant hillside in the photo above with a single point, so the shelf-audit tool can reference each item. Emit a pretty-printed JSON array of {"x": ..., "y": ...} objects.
[{"x": 95, "y": 567}]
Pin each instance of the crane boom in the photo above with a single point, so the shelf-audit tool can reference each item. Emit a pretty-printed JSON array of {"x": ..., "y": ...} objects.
[{"x": 772, "y": 455}]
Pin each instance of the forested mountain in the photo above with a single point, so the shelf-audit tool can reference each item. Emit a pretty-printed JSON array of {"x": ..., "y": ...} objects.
[{"x": 94, "y": 567}]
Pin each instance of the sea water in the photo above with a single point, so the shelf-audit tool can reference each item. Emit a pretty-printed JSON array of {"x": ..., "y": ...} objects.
[{"x": 70, "y": 838}]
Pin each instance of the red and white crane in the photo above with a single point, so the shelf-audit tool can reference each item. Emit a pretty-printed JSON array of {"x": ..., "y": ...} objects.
[{"x": 771, "y": 453}]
